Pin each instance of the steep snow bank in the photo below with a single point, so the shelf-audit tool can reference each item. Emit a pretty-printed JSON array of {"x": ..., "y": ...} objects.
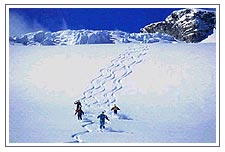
[{"x": 210, "y": 38}]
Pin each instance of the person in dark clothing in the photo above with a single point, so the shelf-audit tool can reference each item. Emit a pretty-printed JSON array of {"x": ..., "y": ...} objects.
[
  {"x": 78, "y": 103},
  {"x": 115, "y": 108},
  {"x": 79, "y": 113},
  {"x": 102, "y": 118}
]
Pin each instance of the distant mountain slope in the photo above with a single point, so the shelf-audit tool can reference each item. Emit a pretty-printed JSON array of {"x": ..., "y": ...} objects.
[
  {"x": 189, "y": 25},
  {"x": 74, "y": 37}
]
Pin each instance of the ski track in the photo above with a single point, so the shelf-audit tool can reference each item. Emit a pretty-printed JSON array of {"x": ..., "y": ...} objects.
[{"x": 101, "y": 93}]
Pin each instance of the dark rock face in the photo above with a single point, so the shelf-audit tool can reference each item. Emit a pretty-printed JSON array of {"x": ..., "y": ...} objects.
[{"x": 189, "y": 25}]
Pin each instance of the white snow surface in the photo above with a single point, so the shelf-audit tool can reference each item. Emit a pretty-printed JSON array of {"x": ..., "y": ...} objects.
[{"x": 166, "y": 93}]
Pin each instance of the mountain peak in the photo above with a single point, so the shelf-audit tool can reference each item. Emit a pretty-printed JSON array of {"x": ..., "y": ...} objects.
[{"x": 189, "y": 25}]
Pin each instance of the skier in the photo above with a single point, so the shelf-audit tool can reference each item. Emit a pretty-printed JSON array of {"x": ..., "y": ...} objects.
[
  {"x": 102, "y": 117},
  {"x": 115, "y": 108},
  {"x": 78, "y": 103},
  {"x": 79, "y": 113}
]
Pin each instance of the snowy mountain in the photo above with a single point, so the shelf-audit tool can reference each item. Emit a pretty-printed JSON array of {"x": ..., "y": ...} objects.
[
  {"x": 74, "y": 37},
  {"x": 189, "y": 25}
]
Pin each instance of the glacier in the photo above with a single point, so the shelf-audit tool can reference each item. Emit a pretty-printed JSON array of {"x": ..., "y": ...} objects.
[{"x": 76, "y": 37}]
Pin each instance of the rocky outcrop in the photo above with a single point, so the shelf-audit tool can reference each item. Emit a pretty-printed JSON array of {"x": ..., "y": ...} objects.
[{"x": 189, "y": 25}]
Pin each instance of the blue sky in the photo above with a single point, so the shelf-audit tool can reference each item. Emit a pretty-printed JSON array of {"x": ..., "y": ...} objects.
[{"x": 23, "y": 20}]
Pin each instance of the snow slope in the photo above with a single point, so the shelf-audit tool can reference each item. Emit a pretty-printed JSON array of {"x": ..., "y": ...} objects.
[
  {"x": 211, "y": 38},
  {"x": 166, "y": 93}
]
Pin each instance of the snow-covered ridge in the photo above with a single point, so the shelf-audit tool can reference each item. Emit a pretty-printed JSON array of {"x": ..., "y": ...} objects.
[
  {"x": 74, "y": 37},
  {"x": 189, "y": 25}
]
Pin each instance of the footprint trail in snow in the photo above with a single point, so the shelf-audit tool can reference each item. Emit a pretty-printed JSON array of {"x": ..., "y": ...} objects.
[{"x": 101, "y": 94}]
